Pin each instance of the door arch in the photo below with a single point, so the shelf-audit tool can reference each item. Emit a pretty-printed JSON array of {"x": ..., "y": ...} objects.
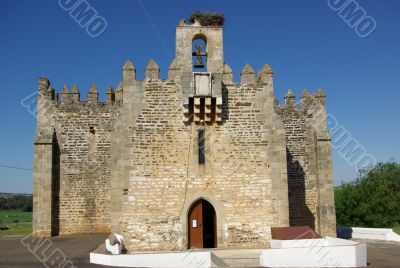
[{"x": 202, "y": 225}]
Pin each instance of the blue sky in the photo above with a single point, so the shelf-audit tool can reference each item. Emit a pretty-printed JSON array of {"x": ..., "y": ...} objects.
[{"x": 307, "y": 44}]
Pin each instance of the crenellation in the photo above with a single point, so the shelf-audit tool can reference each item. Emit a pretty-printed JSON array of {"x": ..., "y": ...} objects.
[
  {"x": 110, "y": 94},
  {"x": 227, "y": 76},
  {"x": 305, "y": 96},
  {"x": 248, "y": 76},
  {"x": 43, "y": 84},
  {"x": 76, "y": 96},
  {"x": 128, "y": 73},
  {"x": 173, "y": 70},
  {"x": 93, "y": 94},
  {"x": 290, "y": 99},
  {"x": 265, "y": 75},
  {"x": 320, "y": 95},
  {"x": 65, "y": 94},
  {"x": 70, "y": 99},
  {"x": 152, "y": 70},
  {"x": 45, "y": 90}
]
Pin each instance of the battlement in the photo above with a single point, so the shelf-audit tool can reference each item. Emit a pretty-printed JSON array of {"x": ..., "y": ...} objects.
[
  {"x": 152, "y": 71},
  {"x": 307, "y": 100},
  {"x": 114, "y": 97},
  {"x": 247, "y": 76},
  {"x": 74, "y": 96}
]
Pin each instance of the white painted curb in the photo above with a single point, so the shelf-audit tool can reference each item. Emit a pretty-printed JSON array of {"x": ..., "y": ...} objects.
[
  {"x": 155, "y": 260},
  {"x": 322, "y": 252},
  {"x": 383, "y": 234}
]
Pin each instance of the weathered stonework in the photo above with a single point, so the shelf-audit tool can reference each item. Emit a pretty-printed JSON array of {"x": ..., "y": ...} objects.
[
  {"x": 309, "y": 182},
  {"x": 131, "y": 164}
]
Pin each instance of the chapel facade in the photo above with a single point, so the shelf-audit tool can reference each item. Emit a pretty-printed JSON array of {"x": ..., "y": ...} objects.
[{"x": 193, "y": 161}]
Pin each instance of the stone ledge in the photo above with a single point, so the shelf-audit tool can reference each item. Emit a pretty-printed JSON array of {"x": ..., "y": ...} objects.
[
  {"x": 155, "y": 260},
  {"x": 323, "y": 252}
]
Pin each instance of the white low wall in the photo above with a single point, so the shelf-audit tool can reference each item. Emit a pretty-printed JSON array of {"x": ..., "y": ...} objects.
[
  {"x": 368, "y": 233},
  {"x": 155, "y": 260},
  {"x": 323, "y": 252}
]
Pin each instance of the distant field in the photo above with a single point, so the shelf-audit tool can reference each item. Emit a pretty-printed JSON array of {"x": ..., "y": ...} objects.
[{"x": 15, "y": 223}]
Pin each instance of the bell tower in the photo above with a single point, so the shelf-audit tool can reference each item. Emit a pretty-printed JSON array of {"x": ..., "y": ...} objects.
[
  {"x": 201, "y": 66},
  {"x": 212, "y": 37}
]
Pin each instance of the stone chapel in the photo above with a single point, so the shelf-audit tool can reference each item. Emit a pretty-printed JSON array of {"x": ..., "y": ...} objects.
[{"x": 196, "y": 160}]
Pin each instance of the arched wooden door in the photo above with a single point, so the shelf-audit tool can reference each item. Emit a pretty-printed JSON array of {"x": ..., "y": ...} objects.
[{"x": 202, "y": 223}]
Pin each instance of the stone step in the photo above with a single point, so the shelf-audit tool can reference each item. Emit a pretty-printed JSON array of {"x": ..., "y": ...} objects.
[{"x": 236, "y": 258}]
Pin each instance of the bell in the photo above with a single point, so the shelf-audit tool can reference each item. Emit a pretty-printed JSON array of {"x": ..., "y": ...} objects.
[{"x": 199, "y": 63}]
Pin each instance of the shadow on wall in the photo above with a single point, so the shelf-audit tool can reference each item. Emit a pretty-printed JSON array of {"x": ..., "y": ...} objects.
[
  {"x": 55, "y": 191},
  {"x": 299, "y": 213},
  {"x": 225, "y": 102}
]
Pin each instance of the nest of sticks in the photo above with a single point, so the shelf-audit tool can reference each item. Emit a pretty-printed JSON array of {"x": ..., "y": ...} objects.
[{"x": 207, "y": 18}]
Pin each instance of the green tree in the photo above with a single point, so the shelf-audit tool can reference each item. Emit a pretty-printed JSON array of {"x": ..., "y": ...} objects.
[
  {"x": 16, "y": 202},
  {"x": 372, "y": 200}
]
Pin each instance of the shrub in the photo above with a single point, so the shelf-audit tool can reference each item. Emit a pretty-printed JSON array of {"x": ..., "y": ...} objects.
[
  {"x": 372, "y": 200},
  {"x": 16, "y": 202},
  {"x": 3, "y": 226},
  {"x": 27, "y": 208}
]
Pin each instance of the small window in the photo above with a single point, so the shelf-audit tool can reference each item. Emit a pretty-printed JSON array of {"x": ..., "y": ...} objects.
[{"x": 201, "y": 144}]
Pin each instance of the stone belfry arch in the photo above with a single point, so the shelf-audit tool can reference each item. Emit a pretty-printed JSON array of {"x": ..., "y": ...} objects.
[
  {"x": 213, "y": 38},
  {"x": 185, "y": 34}
]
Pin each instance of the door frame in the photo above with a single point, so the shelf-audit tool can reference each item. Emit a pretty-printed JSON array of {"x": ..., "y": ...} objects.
[{"x": 190, "y": 200}]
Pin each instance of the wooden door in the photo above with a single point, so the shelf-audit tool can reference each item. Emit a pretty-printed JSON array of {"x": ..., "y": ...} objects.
[{"x": 195, "y": 222}]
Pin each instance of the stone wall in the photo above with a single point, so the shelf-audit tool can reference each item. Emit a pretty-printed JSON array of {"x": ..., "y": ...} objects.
[
  {"x": 73, "y": 141},
  {"x": 301, "y": 186},
  {"x": 305, "y": 125},
  {"x": 244, "y": 176},
  {"x": 131, "y": 165},
  {"x": 83, "y": 133}
]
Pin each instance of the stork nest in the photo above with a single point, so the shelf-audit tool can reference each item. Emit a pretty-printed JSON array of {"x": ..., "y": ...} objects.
[{"x": 207, "y": 18}]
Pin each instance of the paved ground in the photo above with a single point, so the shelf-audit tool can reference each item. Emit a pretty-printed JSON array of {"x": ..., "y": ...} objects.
[
  {"x": 13, "y": 253},
  {"x": 383, "y": 254},
  {"x": 76, "y": 248}
]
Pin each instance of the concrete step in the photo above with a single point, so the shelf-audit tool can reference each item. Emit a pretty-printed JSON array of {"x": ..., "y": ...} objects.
[{"x": 235, "y": 257}]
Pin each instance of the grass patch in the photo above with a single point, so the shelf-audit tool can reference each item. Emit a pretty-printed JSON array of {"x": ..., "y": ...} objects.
[
  {"x": 396, "y": 229},
  {"x": 22, "y": 228},
  {"x": 15, "y": 223},
  {"x": 9, "y": 216}
]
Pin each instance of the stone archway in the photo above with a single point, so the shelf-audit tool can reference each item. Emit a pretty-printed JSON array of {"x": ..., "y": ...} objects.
[
  {"x": 216, "y": 203},
  {"x": 202, "y": 225}
]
